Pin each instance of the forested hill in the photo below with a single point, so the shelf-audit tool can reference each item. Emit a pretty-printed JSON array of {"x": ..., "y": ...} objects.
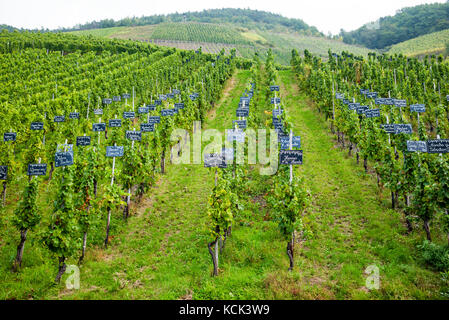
[
  {"x": 407, "y": 24},
  {"x": 252, "y": 19}
]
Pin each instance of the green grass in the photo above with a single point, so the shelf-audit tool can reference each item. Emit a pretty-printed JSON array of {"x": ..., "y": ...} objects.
[
  {"x": 433, "y": 43},
  {"x": 247, "y": 42},
  {"x": 161, "y": 252},
  {"x": 352, "y": 227}
]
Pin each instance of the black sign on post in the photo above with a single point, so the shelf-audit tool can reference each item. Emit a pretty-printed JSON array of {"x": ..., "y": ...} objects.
[
  {"x": 372, "y": 113},
  {"x": 361, "y": 109},
  {"x": 143, "y": 110},
  {"x": 290, "y": 157},
  {"x": 129, "y": 114},
  {"x": 3, "y": 172},
  {"x": 241, "y": 124},
  {"x": 274, "y": 88},
  {"x": 147, "y": 127},
  {"x": 379, "y": 101},
  {"x": 400, "y": 103},
  {"x": 9, "y": 136},
  {"x": 275, "y": 100},
  {"x": 63, "y": 159},
  {"x": 154, "y": 119},
  {"x": 37, "y": 126},
  {"x": 134, "y": 135},
  {"x": 438, "y": 146},
  {"x": 114, "y": 151},
  {"x": 242, "y": 112},
  {"x": 353, "y": 106},
  {"x": 115, "y": 123},
  {"x": 285, "y": 142},
  {"x": 37, "y": 169},
  {"x": 416, "y": 146},
  {"x": 74, "y": 115},
  {"x": 59, "y": 119},
  {"x": 167, "y": 112},
  {"x": 97, "y": 127},
  {"x": 418, "y": 108},
  {"x": 212, "y": 160},
  {"x": 389, "y": 127},
  {"x": 83, "y": 141},
  {"x": 403, "y": 128}
]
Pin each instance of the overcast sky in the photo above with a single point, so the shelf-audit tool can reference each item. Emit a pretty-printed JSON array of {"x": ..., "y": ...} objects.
[{"x": 326, "y": 15}]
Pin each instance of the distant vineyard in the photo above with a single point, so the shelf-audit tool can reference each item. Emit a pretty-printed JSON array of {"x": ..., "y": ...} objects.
[
  {"x": 432, "y": 43},
  {"x": 198, "y": 32},
  {"x": 208, "y": 47}
]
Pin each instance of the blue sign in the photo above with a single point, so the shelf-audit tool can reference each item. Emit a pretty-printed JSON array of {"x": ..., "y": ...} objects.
[
  {"x": 285, "y": 142},
  {"x": 98, "y": 112},
  {"x": 151, "y": 107},
  {"x": 275, "y": 100},
  {"x": 147, "y": 127},
  {"x": 74, "y": 115},
  {"x": 400, "y": 103},
  {"x": 37, "y": 169},
  {"x": 154, "y": 119},
  {"x": 37, "y": 126},
  {"x": 134, "y": 135},
  {"x": 274, "y": 88},
  {"x": 129, "y": 114},
  {"x": 97, "y": 127},
  {"x": 372, "y": 113},
  {"x": 59, "y": 119},
  {"x": 115, "y": 123},
  {"x": 403, "y": 128},
  {"x": 114, "y": 151},
  {"x": 83, "y": 141},
  {"x": 107, "y": 101},
  {"x": 126, "y": 96},
  {"x": 143, "y": 110},
  {"x": 116, "y": 98},
  {"x": 241, "y": 124},
  {"x": 292, "y": 157},
  {"x": 372, "y": 95},
  {"x": 3, "y": 172},
  {"x": 63, "y": 159},
  {"x": 438, "y": 146},
  {"x": 179, "y": 105},
  {"x": 417, "y": 146},
  {"x": 418, "y": 108},
  {"x": 242, "y": 112},
  {"x": 9, "y": 136}
]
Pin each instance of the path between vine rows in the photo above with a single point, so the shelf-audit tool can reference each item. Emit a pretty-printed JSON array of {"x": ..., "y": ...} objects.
[{"x": 163, "y": 254}]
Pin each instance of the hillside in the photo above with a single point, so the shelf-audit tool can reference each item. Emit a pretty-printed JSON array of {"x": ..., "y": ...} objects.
[
  {"x": 433, "y": 43},
  {"x": 212, "y": 38},
  {"x": 407, "y": 24},
  {"x": 253, "y": 19}
]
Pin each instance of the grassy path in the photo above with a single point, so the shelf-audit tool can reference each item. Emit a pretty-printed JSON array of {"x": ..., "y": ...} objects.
[
  {"x": 352, "y": 228},
  {"x": 161, "y": 253}
]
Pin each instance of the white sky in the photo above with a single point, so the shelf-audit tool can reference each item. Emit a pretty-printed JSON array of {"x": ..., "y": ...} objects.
[{"x": 326, "y": 15}]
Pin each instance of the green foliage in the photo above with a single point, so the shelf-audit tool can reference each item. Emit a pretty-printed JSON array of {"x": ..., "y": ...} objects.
[
  {"x": 222, "y": 205},
  {"x": 62, "y": 236},
  {"x": 288, "y": 202},
  {"x": 27, "y": 215},
  {"x": 402, "y": 26},
  {"x": 436, "y": 255}
]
